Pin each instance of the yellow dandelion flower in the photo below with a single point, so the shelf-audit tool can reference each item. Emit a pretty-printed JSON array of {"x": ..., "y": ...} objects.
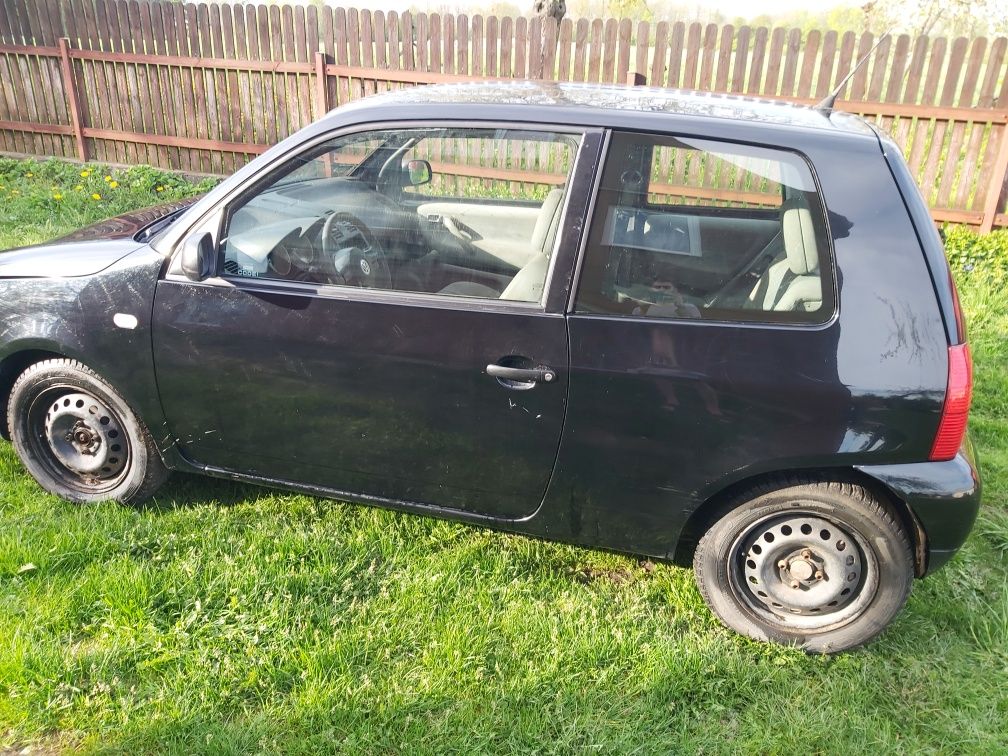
[
  {"x": 15, "y": 191},
  {"x": 29, "y": 174},
  {"x": 108, "y": 178},
  {"x": 78, "y": 188},
  {"x": 96, "y": 196},
  {"x": 85, "y": 173},
  {"x": 160, "y": 189},
  {"x": 57, "y": 196},
  {"x": 113, "y": 184}
]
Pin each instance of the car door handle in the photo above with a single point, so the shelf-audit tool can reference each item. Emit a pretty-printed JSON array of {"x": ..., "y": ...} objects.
[{"x": 522, "y": 375}]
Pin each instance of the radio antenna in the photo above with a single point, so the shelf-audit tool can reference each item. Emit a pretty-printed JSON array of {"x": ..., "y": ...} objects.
[{"x": 825, "y": 106}]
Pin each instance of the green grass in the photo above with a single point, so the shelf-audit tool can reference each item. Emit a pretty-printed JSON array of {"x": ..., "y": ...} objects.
[{"x": 230, "y": 619}]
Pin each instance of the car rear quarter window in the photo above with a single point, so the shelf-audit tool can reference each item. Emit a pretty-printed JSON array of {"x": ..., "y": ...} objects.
[{"x": 701, "y": 229}]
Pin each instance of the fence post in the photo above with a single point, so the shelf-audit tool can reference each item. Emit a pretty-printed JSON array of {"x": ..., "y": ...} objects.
[
  {"x": 636, "y": 79},
  {"x": 321, "y": 84},
  {"x": 70, "y": 87},
  {"x": 999, "y": 171}
]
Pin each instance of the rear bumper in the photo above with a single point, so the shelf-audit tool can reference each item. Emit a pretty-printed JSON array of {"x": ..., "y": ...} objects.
[{"x": 943, "y": 496}]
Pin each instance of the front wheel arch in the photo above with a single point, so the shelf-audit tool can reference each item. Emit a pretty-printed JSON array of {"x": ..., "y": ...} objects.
[
  {"x": 722, "y": 502},
  {"x": 11, "y": 368}
]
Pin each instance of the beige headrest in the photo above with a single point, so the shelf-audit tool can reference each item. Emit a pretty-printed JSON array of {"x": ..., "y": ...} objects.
[
  {"x": 799, "y": 238},
  {"x": 548, "y": 213}
]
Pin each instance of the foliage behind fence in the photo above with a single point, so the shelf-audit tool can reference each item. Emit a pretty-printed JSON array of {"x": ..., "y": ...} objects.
[{"x": 202, "y": 87}]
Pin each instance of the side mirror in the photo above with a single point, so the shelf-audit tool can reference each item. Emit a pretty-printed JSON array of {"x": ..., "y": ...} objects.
[
  {"x": 197, "y": 256},
  {"x": 416, "y": 172}
]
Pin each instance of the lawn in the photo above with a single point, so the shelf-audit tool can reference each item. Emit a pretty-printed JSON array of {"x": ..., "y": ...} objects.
[{"x": 232, "y": 619}]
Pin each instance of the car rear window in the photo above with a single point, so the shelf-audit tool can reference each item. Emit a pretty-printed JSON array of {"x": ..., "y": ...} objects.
[{"x": 703, "y": 229}]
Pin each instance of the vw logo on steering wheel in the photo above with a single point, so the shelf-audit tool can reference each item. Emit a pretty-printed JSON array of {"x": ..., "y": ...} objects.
[{"x": 365, "y": 268}]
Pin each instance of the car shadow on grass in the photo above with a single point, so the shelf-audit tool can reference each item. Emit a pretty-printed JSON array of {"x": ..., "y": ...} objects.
[{"x": 185, "y": 490}]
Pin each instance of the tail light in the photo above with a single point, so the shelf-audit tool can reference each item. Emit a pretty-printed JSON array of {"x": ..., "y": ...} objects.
[{"x": 955, "y": 412}]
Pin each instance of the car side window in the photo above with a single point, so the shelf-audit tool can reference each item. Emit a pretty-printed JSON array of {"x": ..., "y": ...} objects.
[
  {"x": 469, "y": 212},
  {"x": 702, "y": 229}
]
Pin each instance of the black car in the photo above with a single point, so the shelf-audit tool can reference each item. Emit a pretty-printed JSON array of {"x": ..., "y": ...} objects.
[{"x": 698, "y": 328}]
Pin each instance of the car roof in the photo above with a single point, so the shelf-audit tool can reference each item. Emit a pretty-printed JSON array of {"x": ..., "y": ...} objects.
[{"x": 601, "y": 99}]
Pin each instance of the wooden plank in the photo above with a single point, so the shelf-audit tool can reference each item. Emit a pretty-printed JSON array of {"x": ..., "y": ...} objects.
[
  {"x": 199, "y": 87},
  {"x": 995, "y": 190},
  {"x": 659, "y": 56},
  {"x": 31, "y": 84},
  {"x": 859, "y": 82},
  {"x": 107, "y": 23},
  {"x": 154, "y": 84},
  {"x": 70, "y": 86},
  {"x": 434, "y": 59},
  {"x": 983, "y": 147},
  {"x": 191, "y": 143},
  {"x": 367, "y": 44},
  {"x": 772, "y": 85},
  {"x": 215, "y": 93},
  {"x": 341, "y": 57},
  {"x": 792, "y": 52},
  {"x": 422, "y": 35},
  {"x": 761, "y": 39},
  {"x": 674, "y": 70},
  {"x": 506, "y": 45},
  {"x": 492, "y": 45},
  {"x": 607, "y": 74},
  {"x": 624, "y": 32},
  {"x": 38, "y": 128},
  {"x": 958, "y": 175},
  {"x": 827, "y": 59},
  {"x": 535, "y": 41},
  {"x": 643, "y": 50},
  {"x": 235, "y": 126},
  {"x": 707, "y": 54},
  {"x": 520, "y": 69},
  {"x": 594, "y": 71},
  {"x": 302, "y": 82},
  {"x": 741, "y": 59},
  {"x": 447, "y": 43},
  {"x": 810, "y": 56},
  {"x": 550, "y": 37},
  {"x": 935, "y": 165},
  {"x": 50, "y": 69},
  {"x": 281, "y": 96},
  {"x": 564, "y": 50},
  {"x": 477, "y": 40},
  {"x": 159, "y": 80},
  {"x": 722, "y": 66},
  {"x": 462, "y": 44}
]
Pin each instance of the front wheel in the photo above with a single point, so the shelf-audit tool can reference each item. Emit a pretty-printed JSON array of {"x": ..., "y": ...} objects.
[
  {"x": 822, "y": 566},
  {"x": 78, "y": 437}
]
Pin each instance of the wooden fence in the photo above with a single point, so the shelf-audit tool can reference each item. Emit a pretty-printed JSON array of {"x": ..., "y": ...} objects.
[{"x": 202, "y": 88}]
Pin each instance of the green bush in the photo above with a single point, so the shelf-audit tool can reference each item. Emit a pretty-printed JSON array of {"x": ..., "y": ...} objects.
[{"x": 970, "y": 252}]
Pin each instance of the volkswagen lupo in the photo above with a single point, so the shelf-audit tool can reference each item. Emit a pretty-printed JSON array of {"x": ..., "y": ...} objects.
[{"x": 696, "y": 328}]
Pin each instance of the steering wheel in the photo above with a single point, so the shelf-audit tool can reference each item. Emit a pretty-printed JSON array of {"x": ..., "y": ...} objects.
[{"x": 353, "y": 254}]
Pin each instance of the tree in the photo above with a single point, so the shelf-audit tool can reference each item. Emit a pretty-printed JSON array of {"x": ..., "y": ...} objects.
[{"x": 550, "y": 9}]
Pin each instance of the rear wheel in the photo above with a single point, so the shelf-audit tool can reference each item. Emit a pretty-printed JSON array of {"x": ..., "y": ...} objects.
[
  {"x": 822, "y": 566},
  {"x": 78, "y": 438}
]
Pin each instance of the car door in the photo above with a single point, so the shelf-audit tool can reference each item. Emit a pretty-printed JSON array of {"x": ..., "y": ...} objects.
[{"x": 342, "y": 344}]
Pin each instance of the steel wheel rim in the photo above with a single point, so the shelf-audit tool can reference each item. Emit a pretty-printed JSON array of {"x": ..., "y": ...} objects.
[
  {"x": 80, "y": 439},
  {"x": 803, "y": 571}
]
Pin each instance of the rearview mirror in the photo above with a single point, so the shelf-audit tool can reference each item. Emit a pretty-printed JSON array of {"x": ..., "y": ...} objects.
[
  {"x": 197, "y": 256},
  {"x": 416, "y": 172}
]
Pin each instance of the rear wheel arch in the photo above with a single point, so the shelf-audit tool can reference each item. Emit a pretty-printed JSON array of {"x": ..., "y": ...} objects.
[{"x": 731, "y": 496}]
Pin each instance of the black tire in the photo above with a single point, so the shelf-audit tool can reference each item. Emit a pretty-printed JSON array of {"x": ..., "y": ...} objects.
[
  {"x": 823, "y": 566},
  {"x": 78, "y": 438}
]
